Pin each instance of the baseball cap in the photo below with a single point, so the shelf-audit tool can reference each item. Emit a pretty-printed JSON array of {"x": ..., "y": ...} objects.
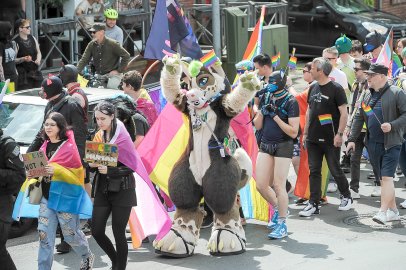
[
  {"x": 52, "y": 86},
  {"x": 377, "y": 69},
  {"x": 372, "y": 41},
  {"x": 97, "y": 27}
]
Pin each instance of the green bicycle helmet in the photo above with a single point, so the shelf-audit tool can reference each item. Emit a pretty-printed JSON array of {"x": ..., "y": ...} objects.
[{"x": 111, "y": 14}]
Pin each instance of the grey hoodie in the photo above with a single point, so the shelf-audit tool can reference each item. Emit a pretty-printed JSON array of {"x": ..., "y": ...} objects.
[{"x": 394, "y": 112}]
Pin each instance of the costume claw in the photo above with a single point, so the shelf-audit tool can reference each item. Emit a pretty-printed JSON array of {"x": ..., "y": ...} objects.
[
  {"x": 221, "y": 245},
  {"x": 232, "y": 244},
  {"x": 172, "y": 247}
]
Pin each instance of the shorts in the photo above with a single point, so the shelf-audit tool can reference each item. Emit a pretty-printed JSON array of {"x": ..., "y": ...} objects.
[
  {"x": 296, "y": 149},
  {"x": 384, "y": 161},
  {"x": 283, "y": 149}
]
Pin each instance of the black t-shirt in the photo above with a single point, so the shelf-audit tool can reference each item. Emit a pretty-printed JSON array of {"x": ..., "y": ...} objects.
[
  {"x": 287, "y": 108},
  {"x": 46, "y": 181},
  {"x": 8, "y": 55},
  {"x": 324, "y": 99},
  {"x": 141, "y": 124}
]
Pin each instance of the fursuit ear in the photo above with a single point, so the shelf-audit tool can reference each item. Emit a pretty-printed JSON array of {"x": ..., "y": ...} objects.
[
  {"x": 217, "y": 68},
  {"x": 185, "y": 68}
]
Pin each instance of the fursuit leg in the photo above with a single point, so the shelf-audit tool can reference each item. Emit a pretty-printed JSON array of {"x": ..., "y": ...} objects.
[
  {"x": 228, "y": 236},
  {"x": 186, "y": 194}
]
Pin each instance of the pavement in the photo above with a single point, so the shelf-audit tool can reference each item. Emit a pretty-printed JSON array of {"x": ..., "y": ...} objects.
[{"x": 333, "y": 240}]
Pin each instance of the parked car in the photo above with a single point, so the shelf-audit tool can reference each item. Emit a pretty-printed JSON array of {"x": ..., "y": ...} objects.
[
  {"x": 21, "y": 116},
  {"x": 316, "y": 24}
]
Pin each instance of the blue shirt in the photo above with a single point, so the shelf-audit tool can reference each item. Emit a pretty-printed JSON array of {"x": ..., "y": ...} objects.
[{"x": 374, "y": 127}]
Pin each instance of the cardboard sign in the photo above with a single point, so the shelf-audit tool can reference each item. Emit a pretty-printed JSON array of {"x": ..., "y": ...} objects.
[
  {"x": 34, "y": 163},
  {"x": 101, "y": 153}
]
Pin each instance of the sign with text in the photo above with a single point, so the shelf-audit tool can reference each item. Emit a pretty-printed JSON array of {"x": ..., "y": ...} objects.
[
  {"x": 101, "y": 153},
  {"x": 34, "y": 163}
]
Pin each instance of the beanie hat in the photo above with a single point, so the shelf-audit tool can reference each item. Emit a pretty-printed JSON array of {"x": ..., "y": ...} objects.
[
  {"x": 343, "y": 44},
  {"x": 52, "y": 86}
]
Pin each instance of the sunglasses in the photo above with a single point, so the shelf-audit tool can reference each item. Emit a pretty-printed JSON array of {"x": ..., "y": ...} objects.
[{"x": 26, "y": 27}]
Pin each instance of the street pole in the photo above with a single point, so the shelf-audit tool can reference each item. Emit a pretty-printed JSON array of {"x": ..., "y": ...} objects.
[{"x": 216, "y": 27}]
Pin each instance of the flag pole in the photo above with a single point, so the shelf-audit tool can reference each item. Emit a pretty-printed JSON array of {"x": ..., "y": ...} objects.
[{"x": 216, "y": 27}]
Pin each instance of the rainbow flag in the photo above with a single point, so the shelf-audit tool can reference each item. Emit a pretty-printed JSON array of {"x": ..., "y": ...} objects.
[
  {"x": 255, "y": 43},
  {"x": 209, "y": 59},
  {"x": 367, "y": 109},
  {"x": 276, "y": 60},
  {"x": 325, "y": 119},
  {"x": 67, "y": 193},
  {"x": 292, "y": 62}
]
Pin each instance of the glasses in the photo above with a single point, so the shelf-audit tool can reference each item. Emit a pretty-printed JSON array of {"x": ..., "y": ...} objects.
[{"x": 26, "y": 27}]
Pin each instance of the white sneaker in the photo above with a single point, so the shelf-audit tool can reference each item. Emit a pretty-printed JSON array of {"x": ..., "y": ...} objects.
[
  {"x": 380, "y": 217},
  {"x": 392, "y": 215},
  {"x": 355, "y": 195},
  {"x": 309, "y": 210},
  {"x": 403, "y": 205},
  {"x": 332, "y": 187},
  {"x": 345, "y": 204},
  {"x": 376, "y": 192}
]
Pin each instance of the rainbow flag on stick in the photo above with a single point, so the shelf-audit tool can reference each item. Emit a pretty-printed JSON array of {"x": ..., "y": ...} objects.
[
  {"x": 368, "y": 111},
  {"x": 292, "y": 62},
  {"x": 385, "y": 56},
  {"x": 276, "y": 59},
  {"x": 209, "y": 59}
]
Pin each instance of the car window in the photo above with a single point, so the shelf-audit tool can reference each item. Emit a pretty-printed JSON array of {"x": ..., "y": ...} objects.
[
  {"x": 21, "y": 121},
  {"x": 349, "y": 6},
  {"x": 300, "y": 5},
  {"x": 91, "y": 124}
]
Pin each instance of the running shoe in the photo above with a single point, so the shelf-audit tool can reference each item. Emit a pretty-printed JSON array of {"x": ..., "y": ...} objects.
[
  {"x": 274, "y": 220},
  {"x": 380, "y": 217},
  {"x": 309, "y": 210},
  {"x": 345, "y": 204},
  {"x": 280, "y": 231},
  {"x": 392, "y": 215}
]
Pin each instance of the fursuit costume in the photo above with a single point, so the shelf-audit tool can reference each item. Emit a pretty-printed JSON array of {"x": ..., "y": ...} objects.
[{"x": 206, "y": 170}]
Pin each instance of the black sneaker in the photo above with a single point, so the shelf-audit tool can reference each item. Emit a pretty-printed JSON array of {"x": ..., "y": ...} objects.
[
  {"x": 301, "y": 201},
  {"x": 309, "y": 210},
  {"x": 207, "y": 222},
  {"x": 63, "y": 247}
]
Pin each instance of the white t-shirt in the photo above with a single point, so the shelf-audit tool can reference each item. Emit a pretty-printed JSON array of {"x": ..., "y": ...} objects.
[{"x": 339, "y": 77}]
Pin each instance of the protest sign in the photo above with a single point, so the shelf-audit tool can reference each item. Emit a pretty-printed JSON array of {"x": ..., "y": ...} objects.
[
  {"x": 101, "y": 153},
  {"x": 34, "y": 163}
]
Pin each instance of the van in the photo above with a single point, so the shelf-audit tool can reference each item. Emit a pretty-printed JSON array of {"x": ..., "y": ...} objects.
[{"x": 316, "y": 24}]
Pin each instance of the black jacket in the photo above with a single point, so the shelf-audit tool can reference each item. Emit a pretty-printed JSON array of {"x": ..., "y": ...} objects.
[
  {"x": 75, "y": 117},
  {"x": 12, "y": 175}
]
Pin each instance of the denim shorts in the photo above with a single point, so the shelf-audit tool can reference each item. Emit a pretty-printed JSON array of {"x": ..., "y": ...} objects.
[
  {"x": 283, "y": 149},
  {"x": 384, "y": 161}
]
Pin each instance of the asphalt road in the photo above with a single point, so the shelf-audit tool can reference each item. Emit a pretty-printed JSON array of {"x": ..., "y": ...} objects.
[{"x": 333, "y": 240}]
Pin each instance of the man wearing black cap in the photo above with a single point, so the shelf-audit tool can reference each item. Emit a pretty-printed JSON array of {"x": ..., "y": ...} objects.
[
  {"x": 106, "y": 53},
  {"x": 60, "y": 101},
  {"x": 383, "y": 109}
]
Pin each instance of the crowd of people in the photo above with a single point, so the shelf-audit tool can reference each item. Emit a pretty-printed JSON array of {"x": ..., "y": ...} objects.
[{"x": 350, "y": 100}]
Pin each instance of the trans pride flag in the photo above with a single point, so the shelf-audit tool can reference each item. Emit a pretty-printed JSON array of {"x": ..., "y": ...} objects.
[
  {"x": 149, "y": 216},
  {"x": 385, "y": 56},
  {"x": 67, "y": 193}
]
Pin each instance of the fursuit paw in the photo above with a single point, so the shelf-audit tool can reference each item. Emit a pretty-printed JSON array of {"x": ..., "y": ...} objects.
[
  {"x": 172, "y": 65},
  {"x": 180, "y": 241},
  {"x": 227, "y": 239},
  {"x": 250, "y": 81}
]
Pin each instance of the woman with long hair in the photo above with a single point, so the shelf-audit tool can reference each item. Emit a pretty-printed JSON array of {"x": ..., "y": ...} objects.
[
  {"x": 113, "y": 191},
  {"x": 63, "y": 196}
]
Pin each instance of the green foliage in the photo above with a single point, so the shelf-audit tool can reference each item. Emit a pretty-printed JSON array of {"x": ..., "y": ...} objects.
[{"x": 370, "y": 3}]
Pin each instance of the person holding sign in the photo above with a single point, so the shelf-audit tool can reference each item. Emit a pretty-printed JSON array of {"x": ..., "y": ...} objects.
[
  {"x": 113, "y": 190},
  {"x": 12, "y": 175},
  {"x": 63, "y": 195},
  {"x": 326, "y": 119},
  {"x": 383, "y": 109}
]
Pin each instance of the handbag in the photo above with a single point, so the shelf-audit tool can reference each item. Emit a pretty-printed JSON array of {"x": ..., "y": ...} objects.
[{"x": 35, "y": 192}]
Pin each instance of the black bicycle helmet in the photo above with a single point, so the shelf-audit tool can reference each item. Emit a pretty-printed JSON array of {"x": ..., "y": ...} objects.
[{"x": 68, "y": 74}]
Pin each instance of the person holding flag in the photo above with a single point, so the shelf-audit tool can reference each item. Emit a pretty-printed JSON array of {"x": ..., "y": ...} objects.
[
  {"x": 384, "y": 111},
  {"x": 325, "y": 122}
]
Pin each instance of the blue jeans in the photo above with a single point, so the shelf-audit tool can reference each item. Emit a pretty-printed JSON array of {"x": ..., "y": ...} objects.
[{"x": 47, "y": 222}]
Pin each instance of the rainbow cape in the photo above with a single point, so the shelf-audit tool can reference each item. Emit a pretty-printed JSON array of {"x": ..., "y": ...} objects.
[
  {"x": 302, "y": 188},
  {"x": 149, "y": 216},
  {"x": 67, "y": 193}
]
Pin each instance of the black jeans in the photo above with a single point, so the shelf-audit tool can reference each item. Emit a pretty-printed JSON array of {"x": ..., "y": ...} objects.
[
  {"x": 356, "y": 162},
  {"x": 316, "y": 152},
  {"x": 5, "y": 260}
]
